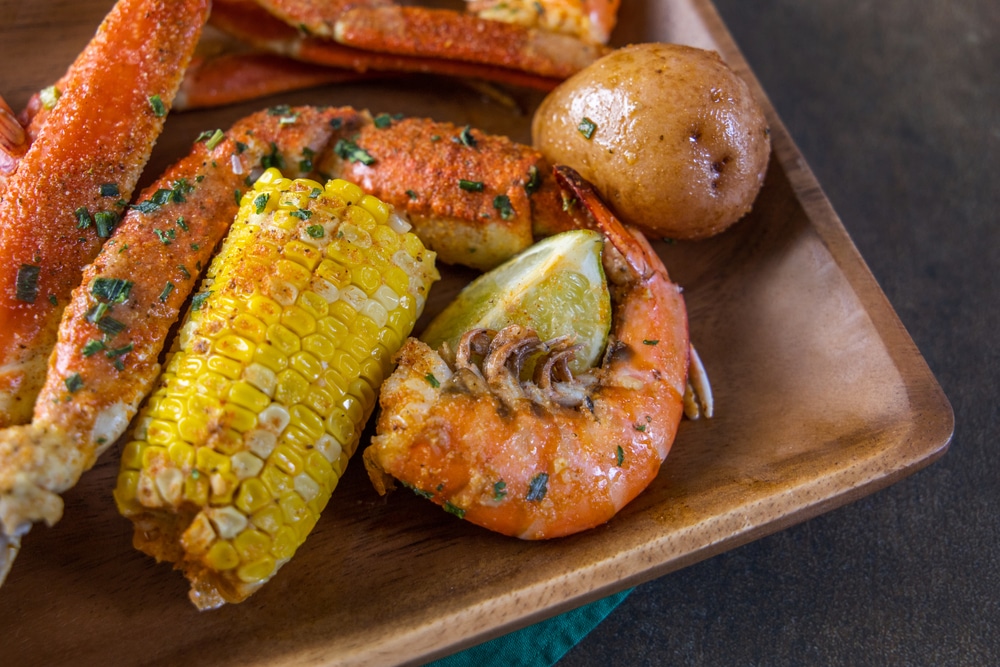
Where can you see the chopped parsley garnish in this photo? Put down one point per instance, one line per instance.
(587, 128)
(260, 202)
(119, 351)
(382, 121)
(619, 456)
(534, 181)
(96, 312)
(471, 186)
(240, 147)
(53, 300)
(184, 271)
(199, 300)
(156, 104)
(411, 194)
(237, 195)
(641, 428)
(105, 222)
(432, 381)
(315, 192)
(110, 190)
(26, 283)
(306, 163)
(655, 341)
(167, 289)
(74, 383)
(92, 346)
(465, 137)
(503, 205)
(316, 231)
(111, 290)
(499, 490)
(83, 219)
(537, 487)
(423, 494)
(348, 150)
(301, 214)
(166, 237)
(273, 159)
(454, 509)
(182, 224)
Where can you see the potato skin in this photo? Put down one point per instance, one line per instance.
(679, 145)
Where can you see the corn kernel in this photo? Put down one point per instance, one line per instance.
(235, 347)
(308, 366)
(320, 346)
(199, 535)
(196, 488)
(291, 388)
(256, 571)
(274, 418)
(321, 400)
(227, 441)
(338, 275)
(332, 328)
(209, 461)
(299, 321)
(225, 367)
(132, 454)
(239, 418)
(343, 311)
(252, 495)
(126, 491)
(286, 541)
(268, 518)
(222, 486)
(284, 339)
(377, 208)
(193, 428)
(252, 328)
(271, 356)
(265, 309)
(182, 454)
(304, 255)
(222, 556)
(261, 442)
(276, 481)
(329, 448)
(168, 407)
(345, 190)
(246, 465)
(252, 393)
(307, 420)
(340, 426)
(252, 545)
(212, 385)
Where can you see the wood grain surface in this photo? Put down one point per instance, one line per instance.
(821, 397)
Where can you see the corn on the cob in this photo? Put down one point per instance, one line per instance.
(278, 366)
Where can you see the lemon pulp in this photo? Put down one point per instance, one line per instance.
(556, 287)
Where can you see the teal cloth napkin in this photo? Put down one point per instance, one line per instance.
(538, 645)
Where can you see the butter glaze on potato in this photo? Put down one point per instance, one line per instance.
(677, 146)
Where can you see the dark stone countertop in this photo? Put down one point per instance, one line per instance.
(896, 107)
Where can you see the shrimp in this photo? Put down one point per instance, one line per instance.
(558, 454)
(60, 198)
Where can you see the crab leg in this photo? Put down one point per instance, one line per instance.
(71, 185)
(114, 329)
(249, 22)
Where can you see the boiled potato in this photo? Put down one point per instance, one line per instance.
(668, 134)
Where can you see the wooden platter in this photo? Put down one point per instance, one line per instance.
(821, 396)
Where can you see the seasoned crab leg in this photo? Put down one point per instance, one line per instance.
(250, 23)
(70, 186)
(114, 328)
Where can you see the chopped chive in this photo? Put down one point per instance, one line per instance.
(240, 147)
(619, 456)
(156, 104)
(92, 346)
(74, 383)
(471, 186)
(587, 128)
(641, 428)
(502, 204)
(301, 214)
(655, 341)
(423, 494)
(111, 326)
(315, 192)
(167, 289)
(465, 137)
(336, 123)
(260, 202)
(316, 231)
(182, 223)
(454, 509)
(105, 222)
(110, 190)
(215, 140)
(432, 381)
(382, 121)
(237, 195)
(411, 194)
(279, 110)
(273, 159)
(112, 290)
(499, 490)
(199, 300)
(96, 312)
(26, 283)
(119, 351)
(53, 300)
(348, 150)
(117, 363)
(83, 219)
(184, 271)
(537, 487)
(195, 246)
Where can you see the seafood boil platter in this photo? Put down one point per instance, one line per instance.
(820, 396)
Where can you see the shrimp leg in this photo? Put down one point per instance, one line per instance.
(70, 186)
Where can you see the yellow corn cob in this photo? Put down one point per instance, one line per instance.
(277, 371)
